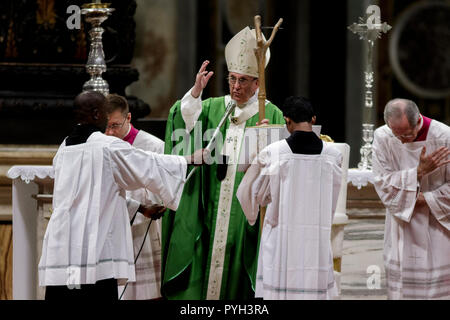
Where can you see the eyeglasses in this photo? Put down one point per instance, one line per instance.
(243, 82)
(407, 136)
(116, 126)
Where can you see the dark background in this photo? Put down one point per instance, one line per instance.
(42, 62)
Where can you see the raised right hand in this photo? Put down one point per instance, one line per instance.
(201, 79)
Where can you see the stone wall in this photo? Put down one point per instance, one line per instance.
(155, 55)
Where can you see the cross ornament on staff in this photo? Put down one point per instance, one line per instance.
(260, 52)
(369, 30)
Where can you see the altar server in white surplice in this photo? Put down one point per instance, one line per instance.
(298, 179)
(147, 244)
(87, 248)
(412, 178)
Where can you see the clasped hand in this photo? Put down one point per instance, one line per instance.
(432, 161)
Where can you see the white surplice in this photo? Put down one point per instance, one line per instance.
(417, 238)
(88, 237)
(148, 264)
(301, 191)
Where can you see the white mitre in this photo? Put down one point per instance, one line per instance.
(240, 53)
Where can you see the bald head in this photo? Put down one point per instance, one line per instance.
(398, 109)
(403, 118)
(90, 108)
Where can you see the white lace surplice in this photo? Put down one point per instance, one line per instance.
(417, 238)
(300, 191)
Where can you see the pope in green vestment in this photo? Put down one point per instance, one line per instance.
(209, 251)
(189, 233)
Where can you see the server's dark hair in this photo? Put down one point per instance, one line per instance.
(86, 104)
(298, 109)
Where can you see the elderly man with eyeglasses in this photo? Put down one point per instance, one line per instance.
(411, 165)
(209, 249)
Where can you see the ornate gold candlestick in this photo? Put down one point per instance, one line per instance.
(96, 13)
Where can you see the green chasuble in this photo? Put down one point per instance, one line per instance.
(209, 251)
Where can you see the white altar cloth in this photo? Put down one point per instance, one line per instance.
(27, 182)
(360, 178)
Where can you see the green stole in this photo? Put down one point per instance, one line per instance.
(188, 233)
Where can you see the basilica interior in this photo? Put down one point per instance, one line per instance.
(153, 49)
